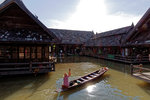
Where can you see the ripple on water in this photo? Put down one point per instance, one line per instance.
(98, 91)
(116, 84)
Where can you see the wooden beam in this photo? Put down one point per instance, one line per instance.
(4, 64)
(14, 19)
(18, 25)
(11, 17)
(21, 68)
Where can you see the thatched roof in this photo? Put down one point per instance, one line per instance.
(72, 36)
(8, 3)
(109, 38)
(140, 33)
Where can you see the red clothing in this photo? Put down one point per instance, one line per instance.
(66, 81)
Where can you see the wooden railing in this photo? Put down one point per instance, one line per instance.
(26, 67)
(132, 59)
(138, 69)
(128, 59)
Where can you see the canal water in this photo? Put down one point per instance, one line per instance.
(116, 84)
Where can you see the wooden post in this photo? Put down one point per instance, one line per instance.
(52, 66)
(30, 69)
(131, 69)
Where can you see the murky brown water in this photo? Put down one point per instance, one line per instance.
(116, 84)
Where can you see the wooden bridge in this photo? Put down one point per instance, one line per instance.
(141, 73)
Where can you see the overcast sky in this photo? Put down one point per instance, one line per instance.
(97, 15)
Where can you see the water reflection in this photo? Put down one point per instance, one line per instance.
(99, 91)
(116, 84)
(27, 85)
(104, 63)
(90, 88)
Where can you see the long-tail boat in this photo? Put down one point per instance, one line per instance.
(85, 79)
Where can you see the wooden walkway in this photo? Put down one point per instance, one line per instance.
(145, 76)
(121, 59)
(140, 73)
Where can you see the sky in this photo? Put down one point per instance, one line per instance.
(91, 15)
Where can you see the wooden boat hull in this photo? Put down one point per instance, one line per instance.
(85, 79)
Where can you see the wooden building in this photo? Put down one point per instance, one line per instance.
(24, 41)
(71, 41)
(107, 45)
(138, 40)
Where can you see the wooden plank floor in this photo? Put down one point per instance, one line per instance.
(144, 76)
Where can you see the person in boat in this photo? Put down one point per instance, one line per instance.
(66, 79)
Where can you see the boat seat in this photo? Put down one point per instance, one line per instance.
(93, 75)
(99, 71)
(96, 74)
(88, 77)
(78, 80)
(82, 79)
